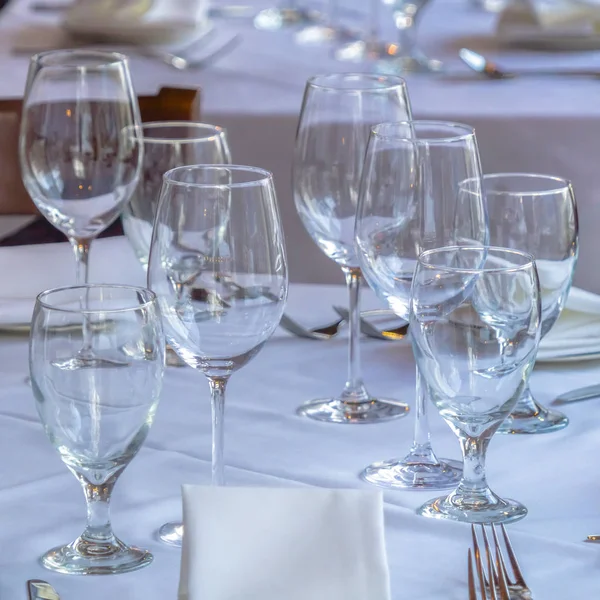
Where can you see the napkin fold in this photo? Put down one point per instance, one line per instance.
(554, 16)
(274, 543)
(29, 270)
(577, 330)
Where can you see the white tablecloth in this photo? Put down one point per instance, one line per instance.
(548, 125)
(555, 475)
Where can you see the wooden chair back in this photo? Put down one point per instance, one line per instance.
(170, 104)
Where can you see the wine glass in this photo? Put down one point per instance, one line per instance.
(78, 166)
(536, 214)
(337, 112)
(218, 267)
(166, 145)
(410, 202)
(97, 417)
(475, 328)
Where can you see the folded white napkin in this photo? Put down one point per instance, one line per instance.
(282, 543)
(577, 330)
(548, 16)
(144, 22)
(29, 270)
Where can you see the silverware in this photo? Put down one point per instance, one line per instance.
(396, 333)
(491, 70)
(584, 393)
(511, 577)
(41, 590)
(491, 582)
(593, 538)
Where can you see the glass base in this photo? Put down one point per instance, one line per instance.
(274, 19)
(83, 557)
(317, 34)
(408, 474)
(455, 508)
(340, 410)
(415, 63)
(171, 534)
(532, 417)
(361, 51)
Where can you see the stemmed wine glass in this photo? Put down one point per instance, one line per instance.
(218, 267)
(332, 136)
(78, 165)
(536, 214)
(475, 328)
(410, 202)
(97, 417)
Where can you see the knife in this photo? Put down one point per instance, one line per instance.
(41, 590)
(584, 393)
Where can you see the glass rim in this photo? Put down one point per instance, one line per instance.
(467, 131)
(40, 299)
(561, 182)
(263, 176)
(530, 260)
(393, 81)
(216, 132)
(110, 58)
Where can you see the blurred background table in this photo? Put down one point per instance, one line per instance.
(549, 125)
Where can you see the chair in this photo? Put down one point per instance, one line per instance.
(170, 104)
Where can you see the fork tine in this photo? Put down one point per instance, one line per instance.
(501, 568)
(472, 590)
(478, 565)
(493, 578)
(514, 564)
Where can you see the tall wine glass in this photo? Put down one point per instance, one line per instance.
(78, 166)
(97, 418)
(218, 267)
(410, 202)
(536, 214)
(166, 145)
(475, 328)
(337, 113)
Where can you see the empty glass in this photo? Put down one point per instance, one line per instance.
(78, 166)
(166, 145)
(536, 214)
(219, 269)
(410, 202)
(97, 417)
(337, 113)
(475, 328)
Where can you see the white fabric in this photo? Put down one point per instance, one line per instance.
(267, 444)
(272, 543)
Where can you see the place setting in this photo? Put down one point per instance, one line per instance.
(159, 375)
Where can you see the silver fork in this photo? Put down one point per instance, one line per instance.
(513, 576)
(491, 582)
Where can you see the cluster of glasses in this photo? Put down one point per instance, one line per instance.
(327, 27)
(402, 202)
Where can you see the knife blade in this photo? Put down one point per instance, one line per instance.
(41, 590)
(584, 393)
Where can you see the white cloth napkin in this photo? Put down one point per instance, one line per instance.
(521, 17)
(29, 270)
(143, 22)
(577, 330)
(275, 543)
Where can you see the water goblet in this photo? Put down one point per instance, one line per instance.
(337, 113)
(217, 230)
(538, 215)
(78, 166)
(475, 328)
(97, 417)
(410, 202)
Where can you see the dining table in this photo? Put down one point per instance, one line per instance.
(540, 124)
(268, 444)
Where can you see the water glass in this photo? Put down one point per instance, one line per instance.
(475, 328)
(78, 166)
(97, 415)
(219, 269)
(337, 114)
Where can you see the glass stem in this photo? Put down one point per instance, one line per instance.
(405, 18)
(354, 390)
(421, 448)
(217, 393)
(82, 252)
(373, 33)
(97, 497)
(473, 483)
(332, 16)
